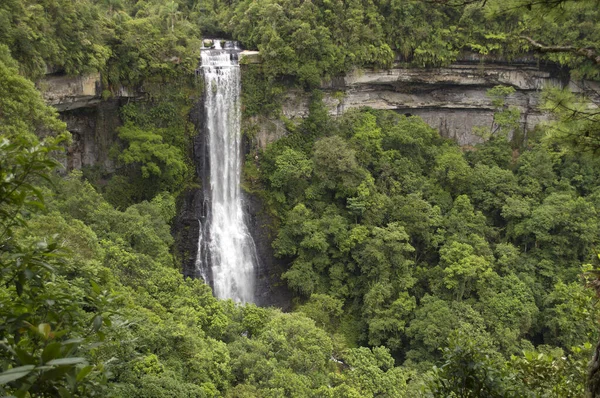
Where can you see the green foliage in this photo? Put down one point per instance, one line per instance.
(152, 44)
(260, 95)
(23, 109)
(336, 166)
(154, 157)
(507, 118)
(549, 373)
(468, 371)
(152, 154)
(131, 43)
(56, 33)
(577, 121)
(46, 335)
(508, 306)
(568, 308)
(461, 266)
(291, 169)
(374, 373)
(417, 241)
(325, 310)
(394, 238)
(310, 40)
(142, 42)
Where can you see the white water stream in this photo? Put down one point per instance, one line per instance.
(231, 248)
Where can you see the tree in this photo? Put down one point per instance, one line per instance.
(468, 372)
(157, 161)
(336, 167)
(373, 373)
(325, 310)
(291, 172)
(461, 267)
(507, 118)
(508, 306)
(171, 9)
(577, 120)
(452, 170)
(45, 333)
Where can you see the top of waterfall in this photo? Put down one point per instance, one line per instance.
(219, 58)
(218, 44)
(219, 54)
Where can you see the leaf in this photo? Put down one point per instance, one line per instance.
(51, 351)
(73, 342)
(67, 361)
(20, 394)
(71, 381)
(44, 368)
(84, 372)
(24, 356)
(55, 373)
(95, 287)
(45, 330)
(19, 287)
(47, 266)
(97, 323)
(15, 373)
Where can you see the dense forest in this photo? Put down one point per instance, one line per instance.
(418, 268)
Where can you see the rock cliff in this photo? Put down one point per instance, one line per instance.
(91, 119)
(451, 99)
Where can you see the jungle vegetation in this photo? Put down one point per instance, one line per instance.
(419, 268)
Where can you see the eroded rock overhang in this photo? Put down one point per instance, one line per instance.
(452, 99)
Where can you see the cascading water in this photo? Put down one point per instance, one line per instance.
(231, 256)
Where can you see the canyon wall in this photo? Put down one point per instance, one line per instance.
(91, 118)
(451, 99)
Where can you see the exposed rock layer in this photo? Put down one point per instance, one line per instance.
(93, 131)
(451, 99)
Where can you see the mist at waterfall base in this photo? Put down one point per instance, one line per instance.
(226, 255)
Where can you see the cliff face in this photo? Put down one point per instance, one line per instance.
(71, 92)
(451, 99)
(93, 130)
(91, 119)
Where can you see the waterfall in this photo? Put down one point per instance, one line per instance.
(224, 235)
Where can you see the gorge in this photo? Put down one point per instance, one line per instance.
(452, 99)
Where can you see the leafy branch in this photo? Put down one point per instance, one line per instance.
(586, 52)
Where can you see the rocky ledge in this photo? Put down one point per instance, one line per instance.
(451, 99)
(66, 93)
